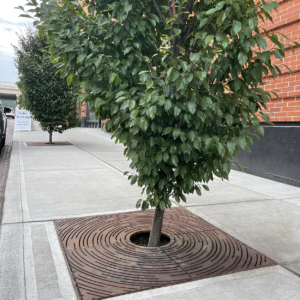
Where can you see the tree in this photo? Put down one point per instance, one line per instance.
(179, 81)
(43, 92)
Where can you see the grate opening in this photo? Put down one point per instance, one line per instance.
(142, 238)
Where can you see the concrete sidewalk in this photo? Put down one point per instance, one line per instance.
(85, 179)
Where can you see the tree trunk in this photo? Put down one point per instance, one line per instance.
(50, 135)
(156, 228)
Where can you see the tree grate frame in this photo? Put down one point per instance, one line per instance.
(47, 144)
(105, 263)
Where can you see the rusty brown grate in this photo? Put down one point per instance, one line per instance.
(47, 144)
(105, 263)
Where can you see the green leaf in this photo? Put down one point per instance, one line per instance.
(184, 65)
(205, 187)
(240, 166)
(236, 26)
(208, 39)
(81, 57)
(231, 146)
(127, 8)
(149, 83)
(176, 133)
(174, 75)
(229, 119)
(127, 50)
(221, 149)
(117, 80)
(191, 105)
(131, 104)
(195, 56)
(201, 74)
(69, 79)
(203, 22)
(177, 110)
(242, 58)
(174, 160)
(225, 41)
(227, 167)
(177, 31)
(167, 130)
(162, 205)
(152, 112)
(261, 43)
(192, 135)
(158, 157)
(138, 203)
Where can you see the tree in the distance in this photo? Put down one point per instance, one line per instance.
(179, 81)
(47, 96)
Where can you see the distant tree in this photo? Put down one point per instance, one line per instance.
(8, 103)
(179, 81)
(47, 96)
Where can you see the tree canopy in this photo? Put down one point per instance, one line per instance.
(179, 81)
(43, 92)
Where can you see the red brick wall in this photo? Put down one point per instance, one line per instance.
(287, 86)
(83, 110)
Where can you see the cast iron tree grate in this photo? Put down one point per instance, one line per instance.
(105, 263)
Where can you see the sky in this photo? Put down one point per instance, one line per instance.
(10, 23)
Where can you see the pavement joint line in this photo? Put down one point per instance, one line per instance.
(97, 158)
(73, 217)
(24, 203)
(234, 202)
(290, 270)
(248, 188)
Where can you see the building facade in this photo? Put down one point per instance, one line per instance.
(277, 156)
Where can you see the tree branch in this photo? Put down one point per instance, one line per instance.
(159, 12)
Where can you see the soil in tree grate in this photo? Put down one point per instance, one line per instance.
(142, 238)
(105, 262)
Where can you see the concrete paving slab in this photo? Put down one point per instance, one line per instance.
(223, 192)
(12, 208)
(271, 227)
(275, 190)
(295, 201)
(74, 192)
(272, 283)
(12, 286)
(46, 158)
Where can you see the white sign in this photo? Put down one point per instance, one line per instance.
(23, 120)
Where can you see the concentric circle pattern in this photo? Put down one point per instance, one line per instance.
(105, 263)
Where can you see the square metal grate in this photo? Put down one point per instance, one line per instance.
(105, 263)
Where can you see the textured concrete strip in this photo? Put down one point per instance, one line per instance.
(271, 227)
(30, 278)
(46, 277)
(63, 276)
(271, 283)
(12, 285)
